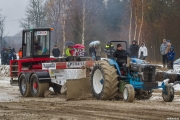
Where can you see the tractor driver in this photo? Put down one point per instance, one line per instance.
(37, 47)
(121, 55)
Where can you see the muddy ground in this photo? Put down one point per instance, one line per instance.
(15, 107)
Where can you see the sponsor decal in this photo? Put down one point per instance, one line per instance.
(41, 32)
(75, 64)
(48, 65)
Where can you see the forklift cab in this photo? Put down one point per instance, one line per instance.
(36, 42)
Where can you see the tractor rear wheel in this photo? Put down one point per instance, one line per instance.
(104, 81)
(128, 93)
(57, 88)
(24, 86)
(168, 94)
(37, 88)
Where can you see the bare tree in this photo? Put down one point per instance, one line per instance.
(142, 19)
(57, 13)
(83, 20)
(35, 14)
(130, 23)
(2, 19)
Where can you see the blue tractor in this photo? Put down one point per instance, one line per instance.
(135, 80)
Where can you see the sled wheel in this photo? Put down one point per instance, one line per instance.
(24, 86)
(37, 88)
(57, 88)
(168, 94)
(104, 81)
(64, 89)
(128, 93)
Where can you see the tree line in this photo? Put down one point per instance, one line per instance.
(82, 21)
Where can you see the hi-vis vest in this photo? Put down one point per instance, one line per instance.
(108, 46)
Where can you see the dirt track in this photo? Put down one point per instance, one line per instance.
(13, 106)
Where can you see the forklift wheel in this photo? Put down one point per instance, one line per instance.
(57, 88)
(37, 88)
(24, 86)
(128, 93)
(168, 94)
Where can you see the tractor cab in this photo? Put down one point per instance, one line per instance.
(36, 42)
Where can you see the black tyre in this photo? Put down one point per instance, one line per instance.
(37, 88)
(128, 93)
(57, 88)
(24, 86)
(168, 94)
(104, 81)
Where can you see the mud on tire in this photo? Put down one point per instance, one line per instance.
(168, 94)
(128, 93)
(37, 88)
(104, 81)
(24, 86)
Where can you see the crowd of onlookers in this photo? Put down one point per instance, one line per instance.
(7, 54)
(168, 54)
(135, 51)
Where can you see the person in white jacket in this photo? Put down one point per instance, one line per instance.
(142, 54)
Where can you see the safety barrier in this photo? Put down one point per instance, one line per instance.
(5, 70)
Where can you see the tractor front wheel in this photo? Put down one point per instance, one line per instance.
(128, 93)
(168, 93)
(37, 88)
(24, 86)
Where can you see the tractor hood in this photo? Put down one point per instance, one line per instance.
(138, 61)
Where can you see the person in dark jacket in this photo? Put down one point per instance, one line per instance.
(5, 56)
(14, 54)
(134, 49)
(121, 55)
(56, 51)
(170, 57)
(10, 54)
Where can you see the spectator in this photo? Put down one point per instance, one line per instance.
(68, 51)
(20, 53)
(98, 52)
(90, 51)
(142, 54)
(5, 57)
(56, 51)
(9, 55)
(2, 58)
(14, 54)
(170, 57)
(134, 48)
(93, 53)
(108, 48)
(168, 47)
(163, 52)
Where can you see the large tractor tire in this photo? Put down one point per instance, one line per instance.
(37, 88)
(128, 93)
(104, 81)
(24, 86)
(57, 88)
(168, 94)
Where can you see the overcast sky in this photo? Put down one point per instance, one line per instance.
(14, 10)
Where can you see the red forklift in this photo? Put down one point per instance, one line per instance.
(36, 71)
